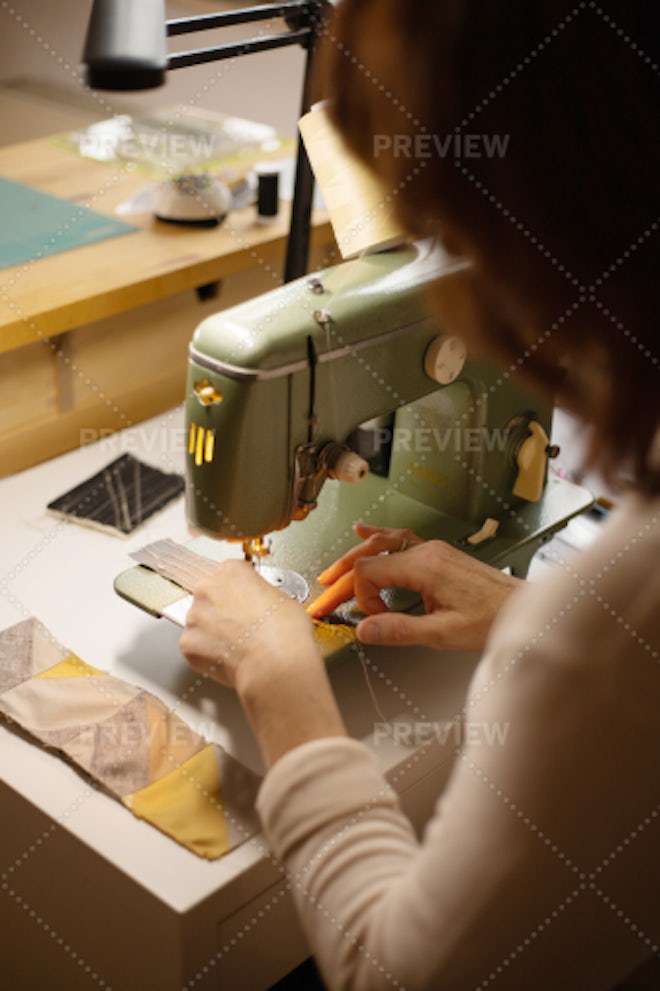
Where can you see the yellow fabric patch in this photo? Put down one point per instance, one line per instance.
(331, 637)
(71, 667)
(187, 805)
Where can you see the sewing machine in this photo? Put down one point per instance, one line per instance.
(336, 397)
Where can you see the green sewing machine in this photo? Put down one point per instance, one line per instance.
(336, 398)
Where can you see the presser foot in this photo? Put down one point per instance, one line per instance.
(292, 583)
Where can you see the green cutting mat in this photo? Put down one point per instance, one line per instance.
(34, 224)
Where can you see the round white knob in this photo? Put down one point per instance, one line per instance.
(444, 358)
(350, 467)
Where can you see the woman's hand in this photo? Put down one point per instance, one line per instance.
(238, 622)
(340, 576)
(461, 596)
(248, 635)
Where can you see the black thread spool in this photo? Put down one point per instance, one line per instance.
(268, 193)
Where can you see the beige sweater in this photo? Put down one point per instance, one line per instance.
(541, 866)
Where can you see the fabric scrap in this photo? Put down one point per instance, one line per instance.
(128, 742)
(187, 805)
(119, 497)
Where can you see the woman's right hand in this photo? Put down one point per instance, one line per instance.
(462, 596)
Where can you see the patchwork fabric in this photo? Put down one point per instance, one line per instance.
(26, 649)
(128, 742)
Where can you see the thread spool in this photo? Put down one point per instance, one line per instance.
(362, 218)
(268, 193)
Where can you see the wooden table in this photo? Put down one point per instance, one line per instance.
(93, 339)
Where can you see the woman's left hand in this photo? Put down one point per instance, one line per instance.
(340, 576)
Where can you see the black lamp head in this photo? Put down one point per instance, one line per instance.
(125, 48)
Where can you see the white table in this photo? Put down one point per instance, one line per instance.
(90, 886)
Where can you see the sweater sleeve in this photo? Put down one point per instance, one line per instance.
(539, 868)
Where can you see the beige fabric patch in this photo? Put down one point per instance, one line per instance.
(115, 752)
(59, 703)
(26, 649)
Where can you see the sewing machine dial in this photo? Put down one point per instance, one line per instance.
(444, 358)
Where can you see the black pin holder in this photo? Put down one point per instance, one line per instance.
(125, 49)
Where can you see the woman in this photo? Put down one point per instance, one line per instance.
(540, 868)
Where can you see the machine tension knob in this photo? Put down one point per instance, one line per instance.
(349, 467)
(342, 463)
(444, 358)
